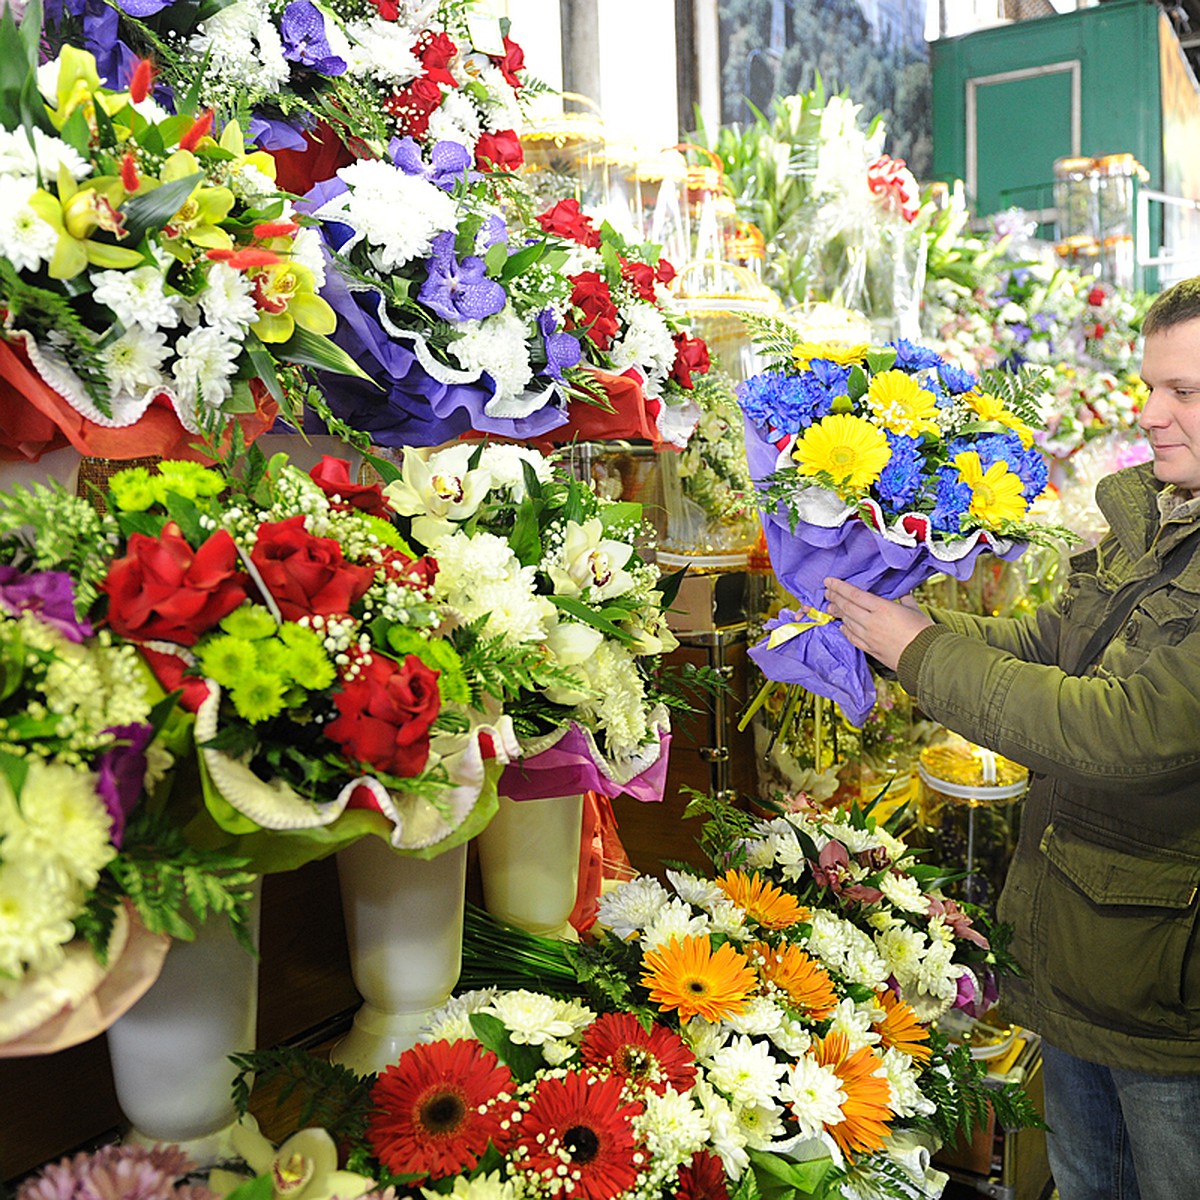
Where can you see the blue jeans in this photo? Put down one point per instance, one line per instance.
(1120, 1135)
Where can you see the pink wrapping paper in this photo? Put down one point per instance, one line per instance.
(568, 768)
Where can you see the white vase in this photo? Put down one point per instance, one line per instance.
(529, 863)
(404, 922)
(170, 1051)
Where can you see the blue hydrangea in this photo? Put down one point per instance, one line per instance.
(953, 498)
(956, 380)
(785, 404)
(900, 480)
(910, 357)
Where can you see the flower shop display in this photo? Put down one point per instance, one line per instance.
(153, 283)
(882, 467)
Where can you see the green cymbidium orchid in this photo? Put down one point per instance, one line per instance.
(286, 296)
(198, 220)
(78, 212)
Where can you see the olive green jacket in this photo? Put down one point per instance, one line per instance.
(1102, 889)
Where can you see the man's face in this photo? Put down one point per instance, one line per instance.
(1171, 416)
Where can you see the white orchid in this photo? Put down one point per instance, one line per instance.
(303, 1168)
(439, 492)
(591, 564)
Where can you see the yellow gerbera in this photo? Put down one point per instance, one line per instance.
(690, 977)
(866, 1110)
(842, 353)
(996, 494)
(848, 448)
(990, 408)
(762, 901)
(805, 984)
(901, 405)
(899, 1027)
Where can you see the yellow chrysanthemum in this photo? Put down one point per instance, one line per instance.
(900, 1028)
(901, 405)
(762, 901)
(990, 408)
(996, 494)
(690, 977)
(843, 354)
(866, 1110)
(848, 448)
(803, 982)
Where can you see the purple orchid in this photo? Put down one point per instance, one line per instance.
(448, 162)
(273, 134)
(491, 233)
(562, 350)
(121, 773)
(459, 290)
(302, 29)
(50, 594)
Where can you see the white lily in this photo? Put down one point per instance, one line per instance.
(591, 563)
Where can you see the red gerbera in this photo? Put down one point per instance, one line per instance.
(702, 1179)
(438, 1107)
(656, 1058)
(584, 1122)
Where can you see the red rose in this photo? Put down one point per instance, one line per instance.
(389, 10)
(163, 590)
(640, 277)
(384, 714)
(417, 573)
(691, 358)
(664, 273)
(592, 297)
(1096, 296)
(306, 575)
(435, 50)
(169, 671)
(332, 476)
(501, 150)
(412, 106)
(512, 62)
(566, 220)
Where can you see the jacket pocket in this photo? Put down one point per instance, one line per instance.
(1119, 933)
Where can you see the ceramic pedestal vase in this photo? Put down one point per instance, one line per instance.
(404, 922)
(529, 862)
(170, 1051)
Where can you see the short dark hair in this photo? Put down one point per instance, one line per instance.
(1177, 304)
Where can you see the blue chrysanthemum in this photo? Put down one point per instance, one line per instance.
(785, 404)
(831, 375)
(1034, 473)
(952, 500)
(992, 448)
(911, 357)
(900, 480)
(956, 380)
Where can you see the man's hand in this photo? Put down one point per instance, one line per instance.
(880, 628)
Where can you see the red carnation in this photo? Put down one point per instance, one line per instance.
(306, 575)
(640, 277)
(384, 714)
(567, 220)
(332, 476)
(501, 151)
(592, 297)
(691, 358)
(435, 50)
(412, 106)
(512, 62)
(162, 590)
(1096, 296)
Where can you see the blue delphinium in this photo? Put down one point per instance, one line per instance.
(900, 480)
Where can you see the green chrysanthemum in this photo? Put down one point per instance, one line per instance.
(133, 490)
(231, 661)
(438, 655)
(385, 531)
(309, 666)
(276, 659)
(250, 621)
(260, 698)
(188, 479)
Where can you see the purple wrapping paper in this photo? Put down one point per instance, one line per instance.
(821, 659)
(567, 769)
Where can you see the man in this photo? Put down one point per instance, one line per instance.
(1098, 693)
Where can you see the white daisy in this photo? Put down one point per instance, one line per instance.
(227, 301)
(675, 920)
(533, 1019)
(207, 359)
(672, 1126)
(42, 158)
(629, 907)
(451, 1022)
(745, 1071)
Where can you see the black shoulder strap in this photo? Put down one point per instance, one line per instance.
(1128, 598)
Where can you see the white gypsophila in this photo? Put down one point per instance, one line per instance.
(906, 1098)
(760, 1124)
(243, 47)
(645, 343)
(674, 920)
(745, 1071)
(855, 1022)
(695, 889)
(619, 709)
(397, 215)
(306, 250)
(455, 120)
(792, 1037)
(482, 1187)
(760, 1017)
(26, 240)
(137, 297)
(671, 1126)
(505, 464)
(41, 159)
(725, 1136)
(532, 1018)
(133, 363)
(846, 950)
(903, 892)
(226, 300)
(382, 50)
(207, 359)
(495, 346)
(451, 1022)
(630, 906)
(814, 1094)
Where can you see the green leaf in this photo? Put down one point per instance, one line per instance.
(881, 360)
(186, 515)
(581, 612)
(262, 1188)
(388, 471)
(780, 1179)
(526, 536)
(521, 261)
(308, 349)
(496, 257)
(856, 386)
(669, 586)
(75, 131)
(153, 209)
(524, 1061)
(14, 769)
(15, 67)
(621, 512)
(264, 365)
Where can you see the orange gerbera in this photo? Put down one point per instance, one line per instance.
(866, 1112)
(804, 982)
(690, 977)
(899, 1027)
(762, 901)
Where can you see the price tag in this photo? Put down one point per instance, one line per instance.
(483, 26)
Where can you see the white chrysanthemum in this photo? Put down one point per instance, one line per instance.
(397, 215)
(455, 120)
(619, 708)
(814, 1094)
(482, 1187)
(227, 301)
(792, 1037)
(629, 907)
(759, 1017)
(645, 344)
(556, 1051)
(25, 239)
(696, 889)
(42, 159)
(760, 854)
(451, 1022)
(513, 611)
(671, 1126)
(306, 250)
(136, 297)
(579, 259)
(497, 347)
(704, 1037)
(532, 1018)
(482, 577)
(904, 892)
(207, 359)
(846, 950)
(855, 1022)
(725, 1136)
(760, 1124)
(790, 855)
(745, 1071)
(133, 363)
(503, 108)
(675, 920)
(855, 840)
(36, 912)
(906, 1098)
(505, 464)
(902, 948)
(243, 47)
(382, 50)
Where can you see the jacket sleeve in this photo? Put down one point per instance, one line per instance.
(1105, 733)
(1032, 638)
